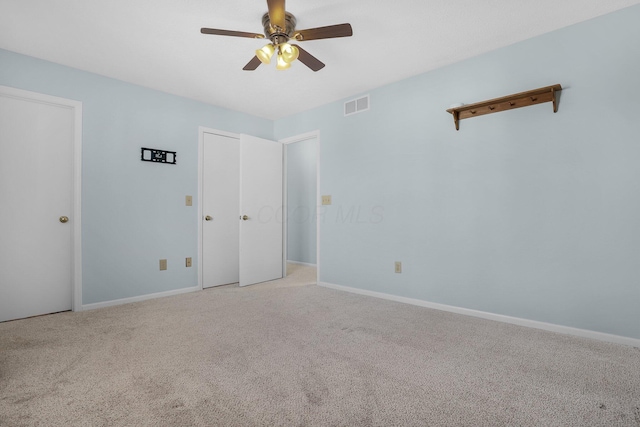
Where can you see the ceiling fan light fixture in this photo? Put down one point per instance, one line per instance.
(281, 64)
(289, 53)
(265, 53)
(280, 27)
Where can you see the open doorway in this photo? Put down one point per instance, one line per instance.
(301, 204)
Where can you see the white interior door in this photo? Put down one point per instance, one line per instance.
(220, 203)
(36, 209)
(261, 210)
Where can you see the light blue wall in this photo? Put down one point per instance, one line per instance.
(301, 201)
(523, 213)
(133, 212)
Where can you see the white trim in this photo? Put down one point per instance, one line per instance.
(76, 231)
(285, 208)
(77, 209)
(318, 203)
(139, 298)
(299, 138)
(201, 131)
(308, 264)
(584, 333)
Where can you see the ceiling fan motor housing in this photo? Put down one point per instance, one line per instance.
(275, 34)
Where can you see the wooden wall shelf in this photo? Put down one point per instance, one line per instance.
(517, 100)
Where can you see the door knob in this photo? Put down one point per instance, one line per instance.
(244, 217)
(208, 218)
(64, 219)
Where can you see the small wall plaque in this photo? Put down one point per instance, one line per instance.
(158, 156)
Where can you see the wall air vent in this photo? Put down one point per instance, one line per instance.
(356, 105)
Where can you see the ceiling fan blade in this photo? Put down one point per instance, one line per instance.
(329, 32)
(277, 13)
(309, 60)
(253, 64)
(217, 32)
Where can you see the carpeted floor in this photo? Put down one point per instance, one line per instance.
(290, 355)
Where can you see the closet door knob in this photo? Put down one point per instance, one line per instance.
(208, 218)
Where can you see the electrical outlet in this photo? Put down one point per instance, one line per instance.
(398, 267)
(188, 201)
(326, 200)
(188, 262)
(163, 264)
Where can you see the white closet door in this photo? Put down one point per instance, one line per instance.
(221, 200)
(261, 210)
(36, 193)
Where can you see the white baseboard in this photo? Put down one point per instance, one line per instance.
(301, 263)
(138, 298)
(617, 339)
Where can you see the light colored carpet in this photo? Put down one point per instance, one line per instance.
(305, 356)
(297, 275)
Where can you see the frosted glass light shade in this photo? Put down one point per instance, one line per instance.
(281, 64)
(289, 53)
(265, 53)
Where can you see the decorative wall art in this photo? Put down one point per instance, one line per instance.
(158, 156)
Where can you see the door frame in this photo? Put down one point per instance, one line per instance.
(286, 141)
(76, 190)
(201, 131)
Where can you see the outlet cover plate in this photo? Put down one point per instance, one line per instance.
(326, 200)
(398, 267)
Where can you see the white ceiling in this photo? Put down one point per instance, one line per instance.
(157, 43)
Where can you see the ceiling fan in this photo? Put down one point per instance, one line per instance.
(280, 27)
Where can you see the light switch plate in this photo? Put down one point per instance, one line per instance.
(326, 200)
(188, 262)
(163, 264)
(398, 267)
(188, 201)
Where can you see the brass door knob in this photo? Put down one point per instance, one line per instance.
(244, 217)
(208, 218)
(64, 219)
